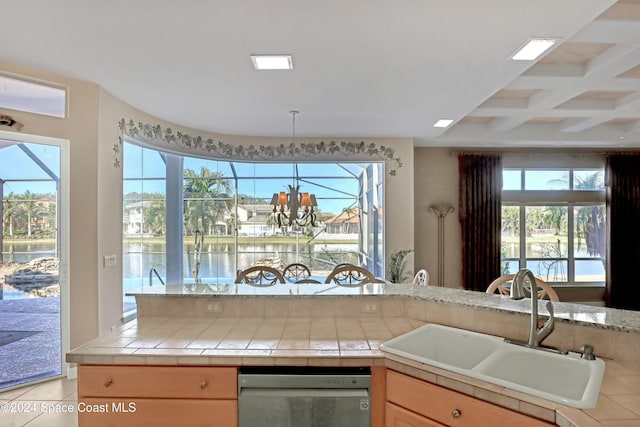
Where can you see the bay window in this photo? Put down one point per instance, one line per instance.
(198, 219)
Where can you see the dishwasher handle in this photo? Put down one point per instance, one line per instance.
(303, 392)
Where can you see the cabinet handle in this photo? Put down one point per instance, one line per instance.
(456, 413)
(203, 385)
(108, 382)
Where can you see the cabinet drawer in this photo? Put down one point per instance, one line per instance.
(156, 413)
(450, 407)
(158, 381)
(400, 417)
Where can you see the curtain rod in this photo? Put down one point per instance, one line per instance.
(529, 152)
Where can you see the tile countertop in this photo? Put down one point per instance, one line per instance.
(601, 317)
(333, 342)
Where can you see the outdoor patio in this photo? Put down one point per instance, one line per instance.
(29, 339)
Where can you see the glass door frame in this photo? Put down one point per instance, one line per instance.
(64, 235)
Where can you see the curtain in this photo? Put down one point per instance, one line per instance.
(623, 218)
(480, 217)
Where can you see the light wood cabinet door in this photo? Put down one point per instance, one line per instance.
(198, 382)
(157, 413)
(400, 417)
(140, 396)
(449, 407)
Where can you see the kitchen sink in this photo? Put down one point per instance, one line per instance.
(563, 378)
(558, 377)
(443, 346)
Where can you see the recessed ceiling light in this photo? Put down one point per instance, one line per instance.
(272, 62)
(533, 49)
(442, 123)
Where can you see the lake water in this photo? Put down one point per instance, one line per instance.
(217, 260)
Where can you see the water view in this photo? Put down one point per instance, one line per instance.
(219, 260)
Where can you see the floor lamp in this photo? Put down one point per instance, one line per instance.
(441, 211)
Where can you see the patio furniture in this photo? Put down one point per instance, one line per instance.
(308, 281)
(350, 275)
(544, 289)
(296, 270)
(260, 276)
(421, 278)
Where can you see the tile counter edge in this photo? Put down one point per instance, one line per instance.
(579, 314)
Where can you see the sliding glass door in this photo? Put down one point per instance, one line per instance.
(33, 288)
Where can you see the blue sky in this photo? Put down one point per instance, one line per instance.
(324, 178)
(15, 164)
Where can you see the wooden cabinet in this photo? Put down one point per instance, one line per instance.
(400, 417)
(414, 402)
(157, 396)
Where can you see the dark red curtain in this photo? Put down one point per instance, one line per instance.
(623, 218)
(480, 217)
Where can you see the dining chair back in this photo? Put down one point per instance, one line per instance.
(544, 289)
(421, 278)
(296, 270)
(350, 275)
(307, 281)
(260, 276)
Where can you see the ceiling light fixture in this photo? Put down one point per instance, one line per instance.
(533, 49)
(285, 206)
(272, 62)
(442, 123)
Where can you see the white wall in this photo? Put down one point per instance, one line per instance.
(436, 181)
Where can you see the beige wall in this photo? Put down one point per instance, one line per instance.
(436, 181)
(80, 129)
(96, 192)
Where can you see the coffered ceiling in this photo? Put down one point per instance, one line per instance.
(584, 92)
(362, 68)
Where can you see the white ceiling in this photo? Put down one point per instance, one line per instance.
(363, 68)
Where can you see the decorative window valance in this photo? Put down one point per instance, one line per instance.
(157, 136)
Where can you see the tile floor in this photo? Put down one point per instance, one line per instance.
(40, 405)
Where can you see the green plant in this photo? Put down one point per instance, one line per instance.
(396, 264)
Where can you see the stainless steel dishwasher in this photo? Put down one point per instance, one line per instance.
(304, 397)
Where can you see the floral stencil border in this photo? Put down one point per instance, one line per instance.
(146, 132)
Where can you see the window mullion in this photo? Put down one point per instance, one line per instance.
(174, 215)
(570, 242)
(523, 237)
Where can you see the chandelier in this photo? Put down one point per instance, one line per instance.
(294, 208)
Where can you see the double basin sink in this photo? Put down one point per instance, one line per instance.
(563, 378)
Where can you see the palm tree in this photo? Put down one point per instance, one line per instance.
(16, 213)
(11, 210)
(350, 212)
(556, 217)
(30, 207)
(206, 198)
(590, 220)
(272, 221)
(154, 218)
(232, 223)
(592, 182)
(52, 217)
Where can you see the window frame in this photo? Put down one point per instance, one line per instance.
(368, 190)
(571, 199)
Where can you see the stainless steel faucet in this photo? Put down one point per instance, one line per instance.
(536, 335)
